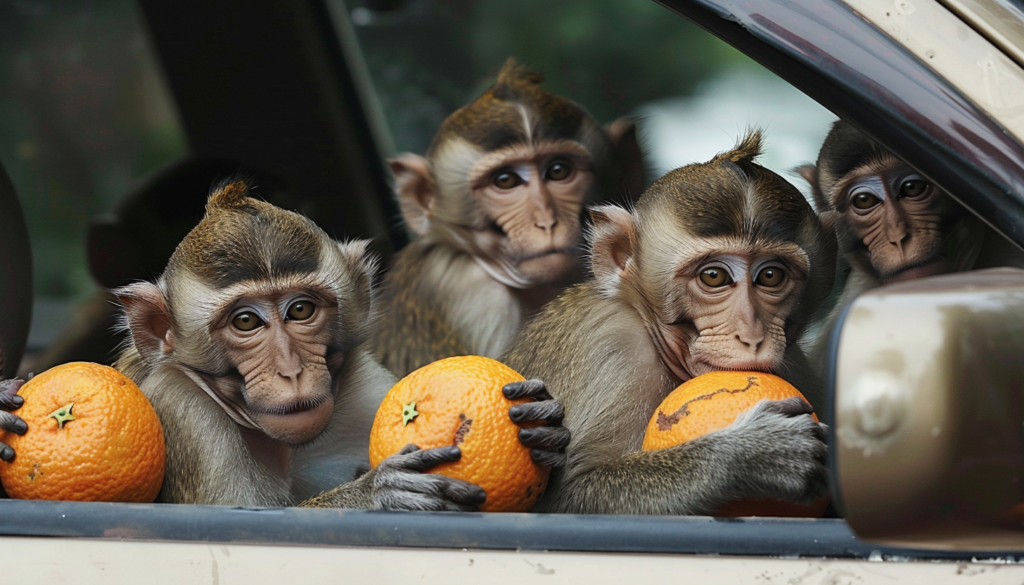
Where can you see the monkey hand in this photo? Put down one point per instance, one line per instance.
(778, 451)
(9, 400)
(399, 483)
(547, 442)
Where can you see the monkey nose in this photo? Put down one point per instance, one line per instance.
(546, 225)
(752, 340)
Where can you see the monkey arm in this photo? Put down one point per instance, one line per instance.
(775, 450)
(9, 400)
(399, 483)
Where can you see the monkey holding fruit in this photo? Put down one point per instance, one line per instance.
(718, 267)
(252, 348)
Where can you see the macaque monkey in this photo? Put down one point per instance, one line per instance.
(718, 267)
(892, 223)
(495, 206)
(251, 348)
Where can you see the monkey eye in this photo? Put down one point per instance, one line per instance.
(770, 277)
(247, 321)
(506, 180)
(559, 171)
(300, 310)
(913, 188)
(715, 277)
(865, 200)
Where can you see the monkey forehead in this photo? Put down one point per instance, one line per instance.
(251, 243)
(725, 199)
(196, 304)
(506, 115)
(844, 149)
(688, 251)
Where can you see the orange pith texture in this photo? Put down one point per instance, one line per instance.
(711, 402)
(459, 401)
(113, 450)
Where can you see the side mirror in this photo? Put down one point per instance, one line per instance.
(928, 407)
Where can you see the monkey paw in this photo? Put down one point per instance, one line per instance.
(9, 400)
(779, 451)
(399, 483)
(548, 442)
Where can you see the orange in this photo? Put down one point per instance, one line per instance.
(92, 436)
(711, 402)
(458, 401)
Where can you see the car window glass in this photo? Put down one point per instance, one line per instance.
(693, 94)
(84, 113)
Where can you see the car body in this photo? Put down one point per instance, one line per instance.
(911, 74)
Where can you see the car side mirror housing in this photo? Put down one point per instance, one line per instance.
(928, 407)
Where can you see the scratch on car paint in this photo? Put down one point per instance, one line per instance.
(214, 567)
(541, 569)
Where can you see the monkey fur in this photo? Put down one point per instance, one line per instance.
(495, 205)
(251, 346)
(612, 348)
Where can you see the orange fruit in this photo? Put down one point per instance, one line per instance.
(92, 436)
(711, 402)
(458, 401)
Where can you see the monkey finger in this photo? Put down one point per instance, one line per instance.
(12, 422)
(792, 406)
(548, 458)
(422, 460)
(546, 438)
(410, 448)
(9, 393)
(546, 410)
(6, 453)
(535, 389)
(463, 493)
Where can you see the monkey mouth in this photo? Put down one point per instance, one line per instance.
(928, 267)
(295, 407)
(550, 252)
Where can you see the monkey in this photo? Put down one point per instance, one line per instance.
(251, 346)
(717, 267)
(891, 222)
(495, 207)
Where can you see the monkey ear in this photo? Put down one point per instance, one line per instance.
(147, 316)
(628, 155)
(415, 188)
(612, 243)
(357, 253)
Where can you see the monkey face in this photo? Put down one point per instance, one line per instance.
(900, 217)
(278, 342)
(729, 308)
(529, 199)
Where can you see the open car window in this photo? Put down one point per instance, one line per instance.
(317, 97)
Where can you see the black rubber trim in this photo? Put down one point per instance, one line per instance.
(298, 526)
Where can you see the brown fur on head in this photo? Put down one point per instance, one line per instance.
(730, 215)
(248, 253)
(522, 237)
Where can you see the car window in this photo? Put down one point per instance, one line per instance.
(84, 114)
(692, 94)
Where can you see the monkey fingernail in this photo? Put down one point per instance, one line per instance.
(516, 413)
(20, 427)
(526, 435)
(7, 454)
